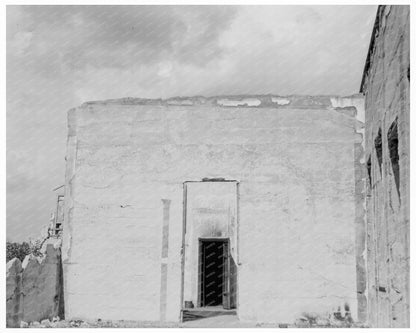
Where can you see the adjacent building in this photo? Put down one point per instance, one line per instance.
(386, 86)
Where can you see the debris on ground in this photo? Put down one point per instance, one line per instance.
(304, 321)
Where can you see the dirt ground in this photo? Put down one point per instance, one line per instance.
(225, 321)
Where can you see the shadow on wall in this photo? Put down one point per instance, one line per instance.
(35, 287)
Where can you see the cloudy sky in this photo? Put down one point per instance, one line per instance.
(61, 56)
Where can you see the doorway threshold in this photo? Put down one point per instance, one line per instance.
(205, 312)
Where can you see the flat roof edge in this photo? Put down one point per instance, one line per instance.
(270, 100)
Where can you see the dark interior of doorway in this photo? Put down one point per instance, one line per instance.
(217, 274)
(212, 262)
(217, 287)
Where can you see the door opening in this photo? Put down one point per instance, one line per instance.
(209, 249)
(216, 274)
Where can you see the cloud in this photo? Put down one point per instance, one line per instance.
(73, 37)
(61, 56)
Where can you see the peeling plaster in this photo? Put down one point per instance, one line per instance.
(242, 101)
(356, 101)
(246, 101)
(280, 101)
(180, 102)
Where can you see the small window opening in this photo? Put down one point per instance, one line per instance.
(369, 170)
(59, 216)
(382, 289)
(393, 142)
(379, 150)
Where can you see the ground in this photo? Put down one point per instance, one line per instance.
(224, 321)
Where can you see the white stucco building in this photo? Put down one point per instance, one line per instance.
(266, 185)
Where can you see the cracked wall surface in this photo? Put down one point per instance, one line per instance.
(295, 160)
(386, 88)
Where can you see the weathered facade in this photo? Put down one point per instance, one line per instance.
(386, 85)
(270, 181)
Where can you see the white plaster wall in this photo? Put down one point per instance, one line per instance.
(295, 165)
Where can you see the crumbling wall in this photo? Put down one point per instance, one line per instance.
(14, 309)
(386, 88)
(294, 158)
(34, 288)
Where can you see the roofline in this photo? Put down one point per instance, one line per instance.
(380, 9)
(243, 101)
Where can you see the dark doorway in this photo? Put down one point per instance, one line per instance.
(216, 274)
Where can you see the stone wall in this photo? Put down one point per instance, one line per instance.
(34, 288)
(386, 88)
(298, 213)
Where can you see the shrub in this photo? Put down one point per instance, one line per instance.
(17, 250)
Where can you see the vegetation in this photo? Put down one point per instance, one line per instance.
(21, 250)
(17, 250)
